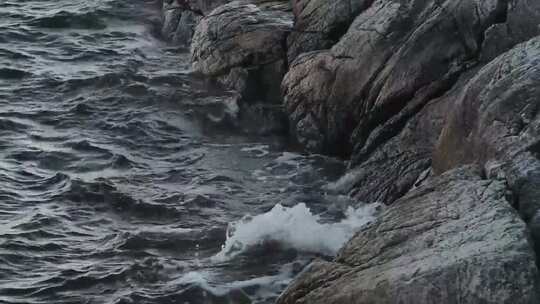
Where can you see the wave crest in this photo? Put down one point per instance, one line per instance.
(64, 19)
(295, 227)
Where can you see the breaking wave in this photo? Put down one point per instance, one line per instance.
(295, 227)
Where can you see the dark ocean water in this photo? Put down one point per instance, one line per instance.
(120, 173)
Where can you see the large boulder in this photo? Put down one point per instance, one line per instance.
(386, 168)
(241, 44)
(380, 95)
(392, 50)
(455, 239)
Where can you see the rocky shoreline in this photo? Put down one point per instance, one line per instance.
(435, 103)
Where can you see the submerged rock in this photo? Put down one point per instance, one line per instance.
(455, 239)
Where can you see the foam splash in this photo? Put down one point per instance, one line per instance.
(295, 227)
(345, 184)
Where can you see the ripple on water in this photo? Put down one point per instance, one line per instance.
(65, 19)
(120, 171)
(9, 73)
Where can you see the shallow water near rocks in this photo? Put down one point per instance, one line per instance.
(123, 180)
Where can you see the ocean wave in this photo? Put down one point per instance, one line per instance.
(112, 152)
(7, 124)
(104, 195)
(9, 73)
(65, 19)
(51, 160)
(31, 186)
(296, 228)
(86, 278)
(14, 54)
(178, 240)
(86, 146)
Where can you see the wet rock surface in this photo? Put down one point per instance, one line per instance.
(454, 239)
(366, 97)
(319, 24)
(241, 44)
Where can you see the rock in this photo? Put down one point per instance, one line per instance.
(319, 24)
(170, 18)
(385, 169)
(381, 94)
(496, 118)
(180, 17)
(393, 50)
(453, 240)
(496, 114)
(241, 44)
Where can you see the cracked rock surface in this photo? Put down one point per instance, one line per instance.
(242, 45)
(454, 239)
(413, 90)
(378, 94)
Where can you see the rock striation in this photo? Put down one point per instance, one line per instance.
(455, 239)
(180, 17)
(380, 94)
(319, 24)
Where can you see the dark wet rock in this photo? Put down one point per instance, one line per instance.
(393, 50)
(241, 44)
(455, 239)
(383, 171)
(319, 24)
(178, 22)
(380, 95)
(180, 17)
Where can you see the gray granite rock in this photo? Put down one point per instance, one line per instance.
(393, 50)
(496, 113)
(496, 120)
(319, 24)
(455, 239)
(241, 44)
(381, 93)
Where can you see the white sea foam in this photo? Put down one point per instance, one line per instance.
(288, 158)
(294, 227)
(344, 184)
